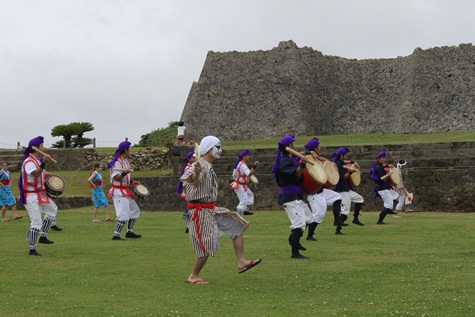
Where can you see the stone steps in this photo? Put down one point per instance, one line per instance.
(14, 158)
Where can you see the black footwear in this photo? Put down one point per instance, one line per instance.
(301, 247)
(56, 228)
(311, 239)
(357, 222)
(45, 240)
(117, 238)
(248, 213)
(381, 223)
(299, 256)
(34, 253)
(339, 232)
(132, 235)
(187, 230)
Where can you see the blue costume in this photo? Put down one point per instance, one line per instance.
(98, 196)
(6, 196)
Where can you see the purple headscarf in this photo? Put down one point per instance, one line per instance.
(340, 151)
(285, 141)
(311, 144)
(240, 156)
(372, 172)
(33, 142)
(179, 187)
(121, 148)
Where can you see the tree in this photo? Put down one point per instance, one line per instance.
(72, 134)
(160, 137)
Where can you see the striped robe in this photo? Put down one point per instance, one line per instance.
(206, 224)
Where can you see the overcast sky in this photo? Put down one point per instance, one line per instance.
(128, 66)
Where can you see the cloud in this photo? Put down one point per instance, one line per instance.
(128, 66)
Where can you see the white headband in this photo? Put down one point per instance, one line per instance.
(401, 165)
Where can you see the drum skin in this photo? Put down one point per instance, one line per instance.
(394, 177)
(54, 186)
(141, 191)
(353, 179)
(332, 172)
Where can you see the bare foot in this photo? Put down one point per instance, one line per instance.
(5, 219)
(96, 220)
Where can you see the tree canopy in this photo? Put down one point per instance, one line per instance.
(161, 137)
(73, 134)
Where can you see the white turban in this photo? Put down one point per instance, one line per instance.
(208, 143)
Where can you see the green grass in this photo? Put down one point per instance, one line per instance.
(420, 265)
(359, 139)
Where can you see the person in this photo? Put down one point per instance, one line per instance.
(348, 195)
(98, 197)
(400, 189)
(181, 131)
(126, 209)
(33, 194)
(206, 220)
(383, 189)
(6, 197)
(288, 175)
(180, 188)
(241, 174)
(322, 198)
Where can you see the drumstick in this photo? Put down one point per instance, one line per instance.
(298, 154)
(122, 170)
(43, 153)
(197, 151)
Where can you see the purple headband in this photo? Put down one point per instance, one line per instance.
(122, 147)
(33, 142)
(340, 151)
(286, 140)
(380, 155)
(311, 144)
(240, 156)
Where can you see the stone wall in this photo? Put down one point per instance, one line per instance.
(441, 176)
(263, 94)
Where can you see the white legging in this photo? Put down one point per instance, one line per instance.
(388, 196)
(400, 202)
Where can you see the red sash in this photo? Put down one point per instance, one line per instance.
(124, 190)
(196, 217)
(6, 182)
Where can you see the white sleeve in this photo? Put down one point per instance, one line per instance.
(245, 170)
(30, 167)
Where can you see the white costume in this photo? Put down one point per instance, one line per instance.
(244, 193)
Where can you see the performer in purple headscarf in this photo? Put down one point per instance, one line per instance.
(190, 158)
(383, 189)
(125, 206)
(348, 195)
(241, 175)
(33, 194)
(288, 175)
(322, 198)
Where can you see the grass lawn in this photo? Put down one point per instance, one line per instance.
(420, 265)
